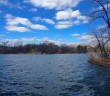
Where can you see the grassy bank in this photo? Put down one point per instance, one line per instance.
(99, 60)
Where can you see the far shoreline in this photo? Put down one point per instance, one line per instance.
(39, 53)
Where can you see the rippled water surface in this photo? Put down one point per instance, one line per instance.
(52, 75)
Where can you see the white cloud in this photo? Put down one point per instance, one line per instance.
(54, 4)
(63, 24)
(88, 38)
(33, 40)
(5, 2)
(84, 19)
(20, 24)
(102, 26)
(38, 27)
(100, 8)
(49, 21)
(28, 39)
(21, 40)
(60, 41)
(75, 35)
(37, 18)
(85, 22)
(69, 15)
(33, 10)
(46, 39)
(84, 37)
(63, 15)
(42, 39)
(76, 22)
(67, 24)
(11, 5)
(17, 28)
(11, 20)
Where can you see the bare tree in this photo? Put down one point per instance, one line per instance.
(102, 35)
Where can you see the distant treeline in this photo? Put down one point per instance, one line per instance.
(42, 48)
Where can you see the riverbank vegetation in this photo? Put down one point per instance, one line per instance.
(102, 33)
(99, 60)
(42, 48)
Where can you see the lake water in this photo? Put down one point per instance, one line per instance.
(52, 75)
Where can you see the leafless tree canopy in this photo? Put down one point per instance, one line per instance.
(102, 34)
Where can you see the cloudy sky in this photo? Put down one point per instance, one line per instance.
(33, 21)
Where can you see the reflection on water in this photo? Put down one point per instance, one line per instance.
(52, 75)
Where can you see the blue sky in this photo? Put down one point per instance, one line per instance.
(34, 21)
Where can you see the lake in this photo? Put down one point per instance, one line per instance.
(52, 75)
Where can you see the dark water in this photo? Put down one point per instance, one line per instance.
(52, 75)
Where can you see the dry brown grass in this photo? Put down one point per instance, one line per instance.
(99, 60)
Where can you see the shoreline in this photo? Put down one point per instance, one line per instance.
(43, 53)
(99, 61)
